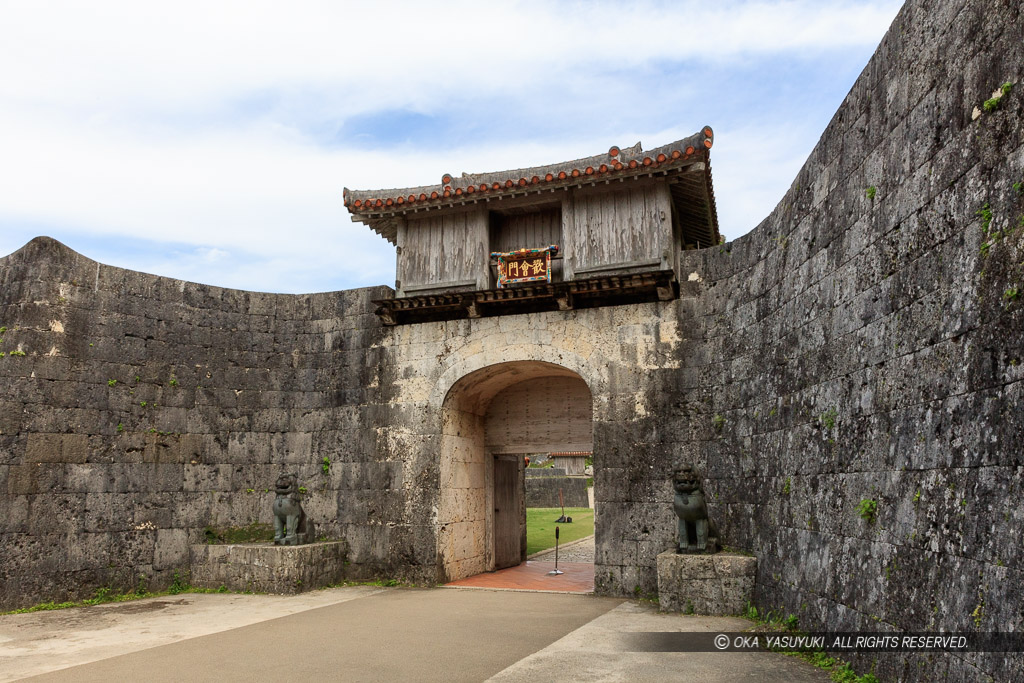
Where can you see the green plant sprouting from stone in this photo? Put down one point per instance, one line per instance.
(867, 509)
(325, 465)
(178, 585)
(104, 595)
(993, 103)
(979, 610)
(990, 236)
(840, 670)
(718, 422)
(828, 418)
(986, 217)
(871, 192)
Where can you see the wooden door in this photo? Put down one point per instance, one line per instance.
(541, 415)
(506, 512)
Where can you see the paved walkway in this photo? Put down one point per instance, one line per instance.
(577, 551)
(372, 634)
(534, 575)
(575, 561)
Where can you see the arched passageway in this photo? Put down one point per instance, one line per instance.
(491, 418)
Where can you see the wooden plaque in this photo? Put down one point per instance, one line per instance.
(524, 265)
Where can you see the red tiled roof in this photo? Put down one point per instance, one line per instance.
(366, 205)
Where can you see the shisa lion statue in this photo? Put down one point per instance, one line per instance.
(696, 533)
(291, 526)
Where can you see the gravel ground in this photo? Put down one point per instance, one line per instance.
(580, 551)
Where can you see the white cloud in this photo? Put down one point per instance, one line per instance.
(190, 123)
(192, 55)
(751, 172)
(211, 255)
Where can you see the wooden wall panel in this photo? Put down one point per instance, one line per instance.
(412, 261)
(444, 249)
(541, 415)
(618, 227)
(526, 230)
(626, 226)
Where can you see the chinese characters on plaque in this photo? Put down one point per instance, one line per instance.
(524, 265)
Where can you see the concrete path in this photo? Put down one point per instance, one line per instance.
(598, 651)
(370, 634)
(38, 642)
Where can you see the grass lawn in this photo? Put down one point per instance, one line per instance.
(540, 527)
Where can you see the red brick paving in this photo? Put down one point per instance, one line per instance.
(532, 575)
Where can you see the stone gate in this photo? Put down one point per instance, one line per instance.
(859, 350)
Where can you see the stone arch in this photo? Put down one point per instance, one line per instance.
(590, 370)
(472, 536)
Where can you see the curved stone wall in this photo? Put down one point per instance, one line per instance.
(848, 376)
(855, 364)
(138, 411)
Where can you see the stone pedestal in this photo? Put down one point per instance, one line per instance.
(268, 568)
(721, 584)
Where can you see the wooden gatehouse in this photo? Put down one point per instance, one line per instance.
(601, 230)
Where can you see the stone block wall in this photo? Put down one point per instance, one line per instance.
(852, 369)
(721, 584)
(465, 485)
(542, 492)
(848, 376)
(146, 409)
(265, 568)
(535, 472)
(618, 351)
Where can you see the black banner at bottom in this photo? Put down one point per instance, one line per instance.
(745, 641)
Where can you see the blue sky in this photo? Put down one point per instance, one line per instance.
(211, 141)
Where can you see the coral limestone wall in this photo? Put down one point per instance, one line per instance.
(136, 412)
(860, 355)
(849, 376)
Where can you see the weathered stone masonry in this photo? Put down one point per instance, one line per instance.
(146, 409)
(862, 345)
